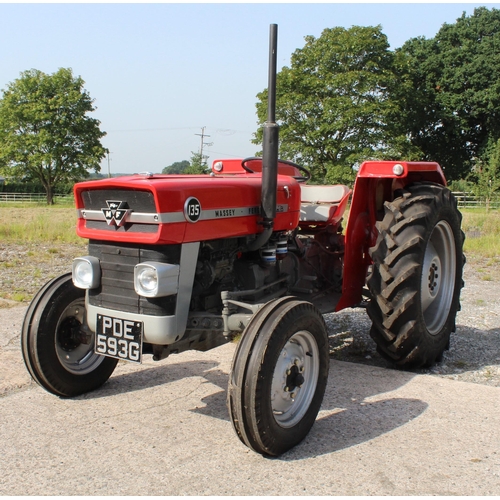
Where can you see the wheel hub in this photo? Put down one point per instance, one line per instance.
(74, 347)
(68, 335)
(434, 276)
(438, 277)
(294, 379)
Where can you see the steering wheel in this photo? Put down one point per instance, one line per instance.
(299, 178)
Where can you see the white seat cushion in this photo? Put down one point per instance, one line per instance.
(323, 194)
(315, 213)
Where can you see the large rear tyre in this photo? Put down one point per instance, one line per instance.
(279, 376)
(417, 276)
(57, 351)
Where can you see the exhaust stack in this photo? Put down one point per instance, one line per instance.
(269, 152)
(270, 141)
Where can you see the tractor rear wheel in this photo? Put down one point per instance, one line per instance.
(416, 276)
(279, 376)
(57, 351)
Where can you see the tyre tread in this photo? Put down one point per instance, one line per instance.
(38, 344)
(251, 368)
(395, 276)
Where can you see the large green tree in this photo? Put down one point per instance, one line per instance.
(45, 132)
(450, 91)
(334, 103)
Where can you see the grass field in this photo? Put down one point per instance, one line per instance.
(482, 242)
(482, 231)
(37, 224)
(37, 243)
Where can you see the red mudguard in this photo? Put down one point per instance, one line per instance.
(375, 183)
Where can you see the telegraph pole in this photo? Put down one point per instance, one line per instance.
(203, 143)
(109, 169)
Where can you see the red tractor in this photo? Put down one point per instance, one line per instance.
(178, 262)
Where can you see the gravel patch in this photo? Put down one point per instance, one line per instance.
(26, 267)
(474, 354)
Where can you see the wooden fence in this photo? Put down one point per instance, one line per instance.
(470, 200)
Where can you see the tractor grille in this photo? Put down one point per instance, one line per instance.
(137, 201)
(117, 278)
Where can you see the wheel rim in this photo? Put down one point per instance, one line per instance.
(295, 378)
(438, 277)
(76, 356)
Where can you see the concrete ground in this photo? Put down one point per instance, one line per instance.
(163, 429)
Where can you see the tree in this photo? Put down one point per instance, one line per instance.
(45, 133)
(486, 173)
(197, 165)
(333, 103)
(453, 112)
(178, 167)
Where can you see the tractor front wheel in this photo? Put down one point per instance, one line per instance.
(57, 349)
(416, 276)
(279, 376)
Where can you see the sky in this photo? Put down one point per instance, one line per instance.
(161, 74)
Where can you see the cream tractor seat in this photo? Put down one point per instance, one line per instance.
(321, 205)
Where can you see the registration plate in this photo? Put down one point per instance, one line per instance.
(119, 338)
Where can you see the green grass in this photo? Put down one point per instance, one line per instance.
(40, 224)
(20, 297)
(482, 230)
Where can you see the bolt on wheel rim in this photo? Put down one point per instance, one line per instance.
(75, 356)
(294, 379)
(438, 277)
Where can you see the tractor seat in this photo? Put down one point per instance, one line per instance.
(322, 205)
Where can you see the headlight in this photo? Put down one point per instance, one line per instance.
(155, 279)
(86, 272)
(147, 280)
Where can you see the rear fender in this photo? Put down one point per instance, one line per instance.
(375, 184)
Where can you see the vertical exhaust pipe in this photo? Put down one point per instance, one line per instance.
(270, 141)
(269, 151)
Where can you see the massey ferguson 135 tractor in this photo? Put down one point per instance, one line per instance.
(178, 262)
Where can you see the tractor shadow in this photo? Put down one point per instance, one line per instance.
(347, 417)
(148, 376)
(160, 374)
(357, 406)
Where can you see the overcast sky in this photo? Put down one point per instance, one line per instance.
(159, 72)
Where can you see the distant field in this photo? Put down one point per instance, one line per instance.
(37, 224)
(37, 243)
(482, 231)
